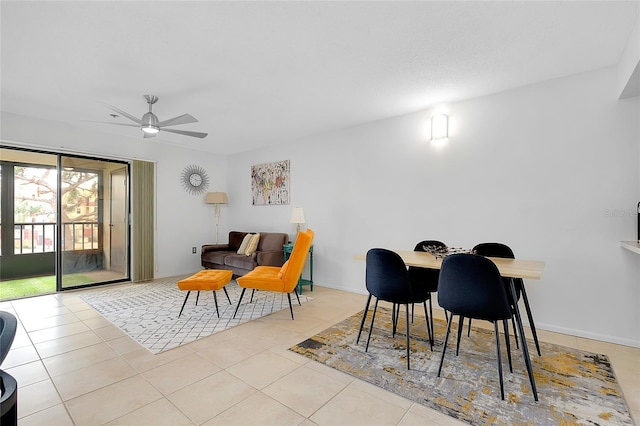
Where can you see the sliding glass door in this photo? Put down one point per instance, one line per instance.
(69, 217)
(29, 216)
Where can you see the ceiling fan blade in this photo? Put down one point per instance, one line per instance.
(186, 133)
(124, 113)
(181, 119)
(114, 124)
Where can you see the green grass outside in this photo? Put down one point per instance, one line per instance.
(13, 289)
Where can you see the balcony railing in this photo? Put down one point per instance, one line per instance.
(41, 237)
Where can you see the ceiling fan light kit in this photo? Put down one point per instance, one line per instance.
(151, 125)
(150, 129)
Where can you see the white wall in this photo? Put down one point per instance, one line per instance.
(182, 220)
(550, 169)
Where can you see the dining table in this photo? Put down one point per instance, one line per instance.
(508, 268)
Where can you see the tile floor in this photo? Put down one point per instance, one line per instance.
(74, 367)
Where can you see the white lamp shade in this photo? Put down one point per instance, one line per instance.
(297, 215)
(216, 198)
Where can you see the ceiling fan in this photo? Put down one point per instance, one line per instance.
(151, 126)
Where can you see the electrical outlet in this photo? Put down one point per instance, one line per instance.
(193, 250)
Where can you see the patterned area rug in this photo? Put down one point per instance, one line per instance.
(148, 312)
(574, 387)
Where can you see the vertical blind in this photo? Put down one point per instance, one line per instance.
(142, 202)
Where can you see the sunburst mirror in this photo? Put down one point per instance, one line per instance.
(194, 179)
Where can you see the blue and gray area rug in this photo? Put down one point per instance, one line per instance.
(574, 387)
(148, 312)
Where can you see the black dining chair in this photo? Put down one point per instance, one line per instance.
(504, 251)
(387, 279)
(470, 286)
(425, 281)
(8, 385)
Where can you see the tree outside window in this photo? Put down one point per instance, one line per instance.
(35, 203)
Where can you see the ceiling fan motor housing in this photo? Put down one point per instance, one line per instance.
(150, 119)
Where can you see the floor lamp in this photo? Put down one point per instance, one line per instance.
(216, 198)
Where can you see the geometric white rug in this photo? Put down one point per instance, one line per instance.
(148, 312)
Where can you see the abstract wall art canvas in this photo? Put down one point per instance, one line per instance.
(270, 183)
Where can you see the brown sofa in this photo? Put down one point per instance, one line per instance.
(224, 256)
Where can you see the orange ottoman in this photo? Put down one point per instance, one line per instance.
(209, 279)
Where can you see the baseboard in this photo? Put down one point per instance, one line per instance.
(342, 288)
(589, 335)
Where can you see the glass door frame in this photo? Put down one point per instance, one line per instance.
(103, 228)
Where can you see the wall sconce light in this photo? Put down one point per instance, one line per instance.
(216, 198)
(439, 128)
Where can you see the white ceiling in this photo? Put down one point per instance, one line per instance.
(260, 73)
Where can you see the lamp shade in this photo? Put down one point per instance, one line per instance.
(216, 198)
(297, 215)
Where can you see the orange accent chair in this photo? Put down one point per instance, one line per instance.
(280, 279)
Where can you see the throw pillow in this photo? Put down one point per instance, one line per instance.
(253, 244)
(245, 242)
(283, 270)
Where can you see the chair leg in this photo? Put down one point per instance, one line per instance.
(426, 317)
(184, 303)
(290, 306)
(297, 297)
(394, 319)
(433, 334)
(495, 328)
(460, 326)
(406, 308)
(252, 293)
(444, 345)
(515, 330)
(215, 300)
(469, 328)
(239, 300)
(412, 307)
(197, 297)
(507, 341)
(373, 318)
(227, 293)
(530, 316)
(364, 316)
